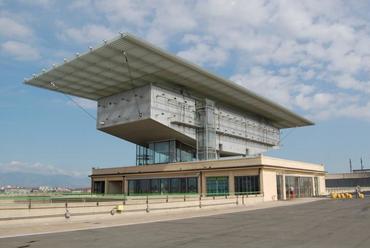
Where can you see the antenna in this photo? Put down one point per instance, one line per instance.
(362, 166)
(350, 165)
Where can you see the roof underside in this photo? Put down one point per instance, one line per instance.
(102, 72)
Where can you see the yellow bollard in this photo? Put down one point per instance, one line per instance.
(334, 195)
(117, 209)
(361, 196)
(350, 196)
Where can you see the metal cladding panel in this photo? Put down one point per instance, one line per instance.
(103, 71)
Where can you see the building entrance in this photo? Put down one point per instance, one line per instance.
(297, 187)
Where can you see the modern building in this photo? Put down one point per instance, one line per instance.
(195, 132)
(347, 182)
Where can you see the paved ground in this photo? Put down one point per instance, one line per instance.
(327, 223)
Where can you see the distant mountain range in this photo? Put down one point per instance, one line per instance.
(35, 180)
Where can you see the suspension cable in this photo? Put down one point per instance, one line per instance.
(132, 84)
(286, 135)
(72, 100)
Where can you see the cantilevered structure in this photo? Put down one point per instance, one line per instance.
(173, 110)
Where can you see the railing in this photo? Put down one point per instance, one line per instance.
(33, 206)
(345, 189)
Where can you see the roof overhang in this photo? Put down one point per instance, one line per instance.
(102, 72)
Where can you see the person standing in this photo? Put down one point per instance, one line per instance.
(358, 191)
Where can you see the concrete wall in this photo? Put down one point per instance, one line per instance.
(322, 186)
(268, 183)
(124, 107)
(236, 132)
(115, 187)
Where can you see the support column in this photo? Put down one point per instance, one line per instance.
(206, 130)
(200, 189)
(106, 186)
(204, 185)
(92, 185)
(231, 183)
(313, 186)
(261, 181)
(284, 188)
(125, 186)
(269, 185)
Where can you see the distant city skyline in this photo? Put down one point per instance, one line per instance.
(309, 56)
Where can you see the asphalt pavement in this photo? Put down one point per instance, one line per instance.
(326, 223)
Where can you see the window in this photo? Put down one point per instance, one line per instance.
(155, 186)
(165, 186)
(247, 185)
(164, 152)
(175, 185)
(192, 185)
(182, 185)
(217, 186)
(99, 187)
(161, 152)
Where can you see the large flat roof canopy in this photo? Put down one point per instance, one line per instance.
(102, 72)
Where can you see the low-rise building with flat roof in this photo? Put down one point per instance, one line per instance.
(347, 182)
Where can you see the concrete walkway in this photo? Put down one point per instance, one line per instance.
(15, 228)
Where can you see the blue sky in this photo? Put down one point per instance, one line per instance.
(310, 56)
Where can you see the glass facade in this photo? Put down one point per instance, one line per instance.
(169, 151)
(348, 182)
(217, 186)
(184, 185)
(298, 187)
(99, 187)
(247, 185)
(316, 180)
(279, 187)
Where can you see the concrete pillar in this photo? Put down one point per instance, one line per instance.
(284, 188)
(322, 186)
(261, 181)
(313, 186)
(204, 184)
(200, 183)
(92, 185)
(231, 183)
(269, 185)
(106, 185)
(125, 186)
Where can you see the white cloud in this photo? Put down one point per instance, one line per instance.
(286, 87)
(156, 21)
(12, 29)
(133, 12)
(20, 50)
(311, 56)
(89, 34)
(202, 51)
(39, 3)
(37, 168)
